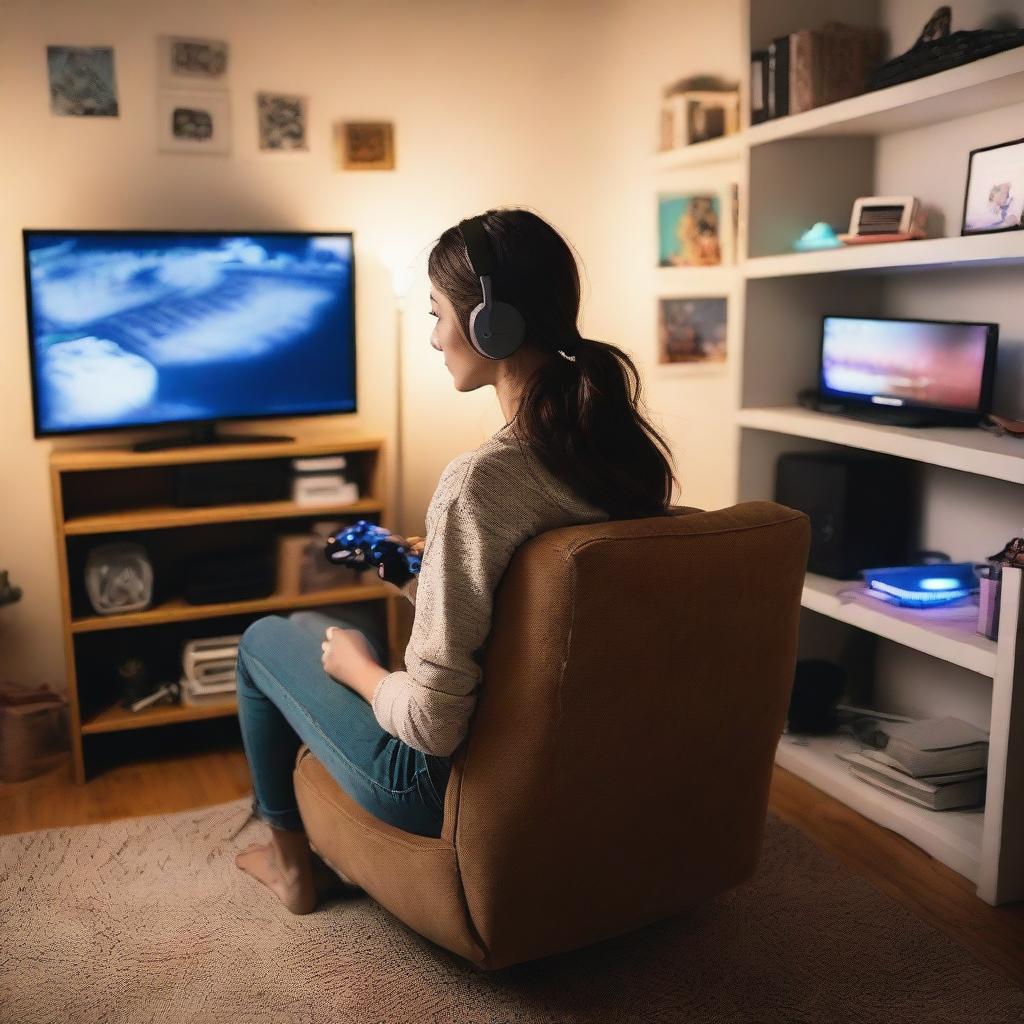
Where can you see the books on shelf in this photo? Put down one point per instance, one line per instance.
(936, 792)
(934, 746)
(938, 763)
(812, 67)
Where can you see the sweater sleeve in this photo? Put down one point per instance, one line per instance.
(469, 544)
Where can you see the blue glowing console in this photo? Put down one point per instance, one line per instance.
(922, 586)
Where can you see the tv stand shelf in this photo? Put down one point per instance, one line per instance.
(118, 490)
(165, 516)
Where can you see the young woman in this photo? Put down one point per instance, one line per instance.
(575, 448)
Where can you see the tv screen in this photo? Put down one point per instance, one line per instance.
(138, 328)
(917, 363)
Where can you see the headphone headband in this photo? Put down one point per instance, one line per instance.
(478, 246)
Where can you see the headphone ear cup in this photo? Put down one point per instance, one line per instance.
(498, 334)
(479, 325)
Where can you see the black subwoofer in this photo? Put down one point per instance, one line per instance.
(862, 508)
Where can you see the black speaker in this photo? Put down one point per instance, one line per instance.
(862, 508)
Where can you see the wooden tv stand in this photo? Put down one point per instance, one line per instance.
(104, 495)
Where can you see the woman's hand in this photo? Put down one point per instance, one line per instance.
(346, 654)
(412, 544)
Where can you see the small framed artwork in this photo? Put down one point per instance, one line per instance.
(692, 331)
(82, 81)
(283, 122)
(193, 122)
(187, 63)
(365, 145)
(695, 227)
(994, 197)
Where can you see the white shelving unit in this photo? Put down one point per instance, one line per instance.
(810, 167)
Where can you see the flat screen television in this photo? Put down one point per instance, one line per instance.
(146, 328)
(913, 372)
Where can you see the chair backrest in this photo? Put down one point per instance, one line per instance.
(635, 686)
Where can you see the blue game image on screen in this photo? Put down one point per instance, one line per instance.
(133, 329)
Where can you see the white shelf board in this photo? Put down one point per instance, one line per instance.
(1005, 248)
(946, 633)
(715, 280)
(969, 449)
(985, 84)
(720, 150)
(952, 837)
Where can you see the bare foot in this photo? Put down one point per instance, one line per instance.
(295, 889)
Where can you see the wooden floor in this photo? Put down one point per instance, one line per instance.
(176, 783)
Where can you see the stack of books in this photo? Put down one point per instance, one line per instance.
(810, 68)
(938, 763)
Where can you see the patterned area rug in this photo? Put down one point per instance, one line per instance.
(148, 919)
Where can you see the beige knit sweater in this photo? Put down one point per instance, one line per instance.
(487, 503)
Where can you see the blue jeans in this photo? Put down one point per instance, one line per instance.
(286, 698)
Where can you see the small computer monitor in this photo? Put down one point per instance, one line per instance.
(936, 370)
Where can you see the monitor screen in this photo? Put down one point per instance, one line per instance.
(140, 328)
(931, 363)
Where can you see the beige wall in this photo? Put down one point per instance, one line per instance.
(558, 115)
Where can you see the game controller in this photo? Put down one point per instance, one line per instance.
(364, 544)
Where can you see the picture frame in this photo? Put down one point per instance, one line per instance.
(282, 122)
(82, 81)
(188, 62)
(691, 117)
(692, 331)
(994, 191)
(695, 224)
(193, 122)
(365, 145)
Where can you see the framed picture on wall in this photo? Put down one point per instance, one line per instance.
(692, 331)
(82, 81)
(365, 145)
(695, 225)
(994, 197)
(193, 122)
(189, 63)
(283, 122)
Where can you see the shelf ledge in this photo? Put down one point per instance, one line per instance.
(952, 837)
(1005, 248)
(969, 449)
(985, 84)
(946, 633)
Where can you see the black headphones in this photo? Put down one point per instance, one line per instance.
(496, 329)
